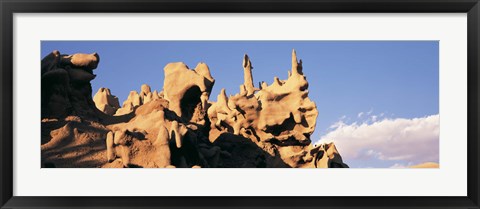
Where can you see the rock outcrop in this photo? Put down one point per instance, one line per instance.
(188, 90)
(279, 118)
(106, 102)
(280, 113)
(260, 127)
(133, 100)
(66, 88)
(136, 99)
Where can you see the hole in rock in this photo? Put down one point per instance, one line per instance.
(282, 129)
(189, 102)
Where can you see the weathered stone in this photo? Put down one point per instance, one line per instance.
(187, 90)
(178, 127)
(110, 147)
(106, 102)
(66, 88)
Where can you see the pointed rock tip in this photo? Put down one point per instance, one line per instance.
(246, 61)
(203, 69)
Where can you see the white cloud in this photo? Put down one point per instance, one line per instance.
(337, 124)
(398, 165)
(370, 112)
(412, 141)
(360, 114)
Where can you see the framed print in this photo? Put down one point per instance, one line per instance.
(344, 104)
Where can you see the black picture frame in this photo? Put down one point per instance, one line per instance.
(9, 7)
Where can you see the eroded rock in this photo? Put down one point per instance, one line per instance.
(279, 118)
(178, 127)
(66, 88)
(136, 99)
(106, 102)
(188, 90)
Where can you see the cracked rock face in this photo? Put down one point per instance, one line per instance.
(268, 126)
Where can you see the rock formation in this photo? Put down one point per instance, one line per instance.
(188, 90)
(133, 100)
(279, 118)
(106, 102)
(247, 73)
(66, 85)
(265, 127)
(136, 99)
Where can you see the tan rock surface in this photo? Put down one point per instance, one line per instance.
(426, 165)
(106, 102)
(278, 118)
(178, 127)
(133, 100)
(188, 90)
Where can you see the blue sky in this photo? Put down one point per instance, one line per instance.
(385, 79)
